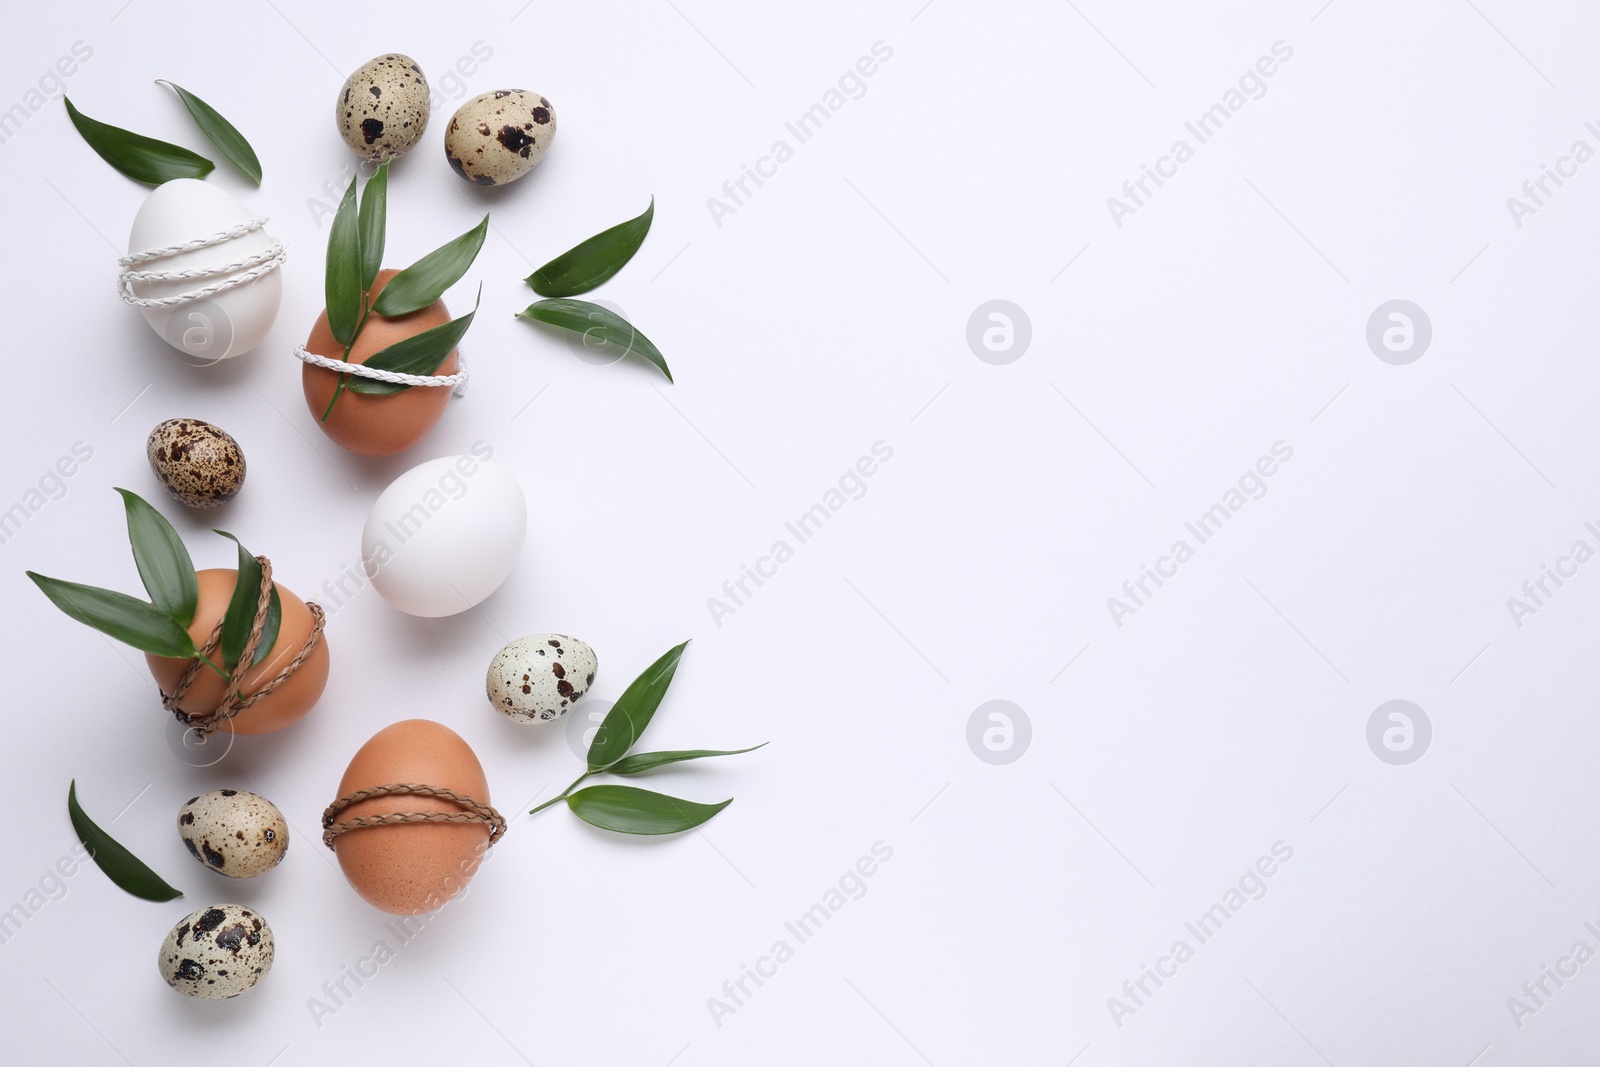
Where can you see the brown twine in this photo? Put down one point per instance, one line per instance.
(232, 703)
(477, 811)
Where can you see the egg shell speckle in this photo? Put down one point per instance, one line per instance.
(539, 677)
(217, 953)
(201, 465)
(383, 107)
(233, 832)
(499, 136)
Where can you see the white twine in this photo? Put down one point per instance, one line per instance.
(456, 381)
(252, 267)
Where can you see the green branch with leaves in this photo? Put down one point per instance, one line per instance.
(628, 809)
(161, 625)
(355, 255)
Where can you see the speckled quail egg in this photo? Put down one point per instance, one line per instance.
(233, 832)
(201, 465)
(217, 953)
(538, 678)
(383, 107)
(499, 136)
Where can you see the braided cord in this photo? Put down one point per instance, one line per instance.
(456, 381)
(474, 811)
(239, 272)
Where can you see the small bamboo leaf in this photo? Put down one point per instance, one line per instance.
(164, 564)
(374, 208)
(587, 265)
(632, 712)
(421, 353)
(220, 132)
(598, 324)
(640, 762)
(342, 286)
(144, 159)
(242, 611)
(133, 622)
(426, 280)
(125, 869)
(630, 810)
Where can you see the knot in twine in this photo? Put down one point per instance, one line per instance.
(252, 267)
(456, 381)
(232, 701)
(476, 811)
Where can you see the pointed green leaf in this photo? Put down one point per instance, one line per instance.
(421, 353)
(124, 869)
(242, 611)
(164, 564)
(220, 132)
(374, 208)
(587, 265)
(633, 710)
(597, 325)
(342, 286)
(133, 622)
(630, 810)
(144, 159)
(426, 280)
(640, 762)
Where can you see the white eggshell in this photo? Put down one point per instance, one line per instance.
(444, 535)
(216, 327)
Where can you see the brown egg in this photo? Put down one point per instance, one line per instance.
(411, 868)
(289, 702)
(385, 424)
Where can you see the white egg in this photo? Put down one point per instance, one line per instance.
(223, 324)
(444, 535)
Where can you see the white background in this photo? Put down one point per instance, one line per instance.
(828, 313)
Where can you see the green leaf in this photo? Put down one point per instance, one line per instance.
(587, 265)
(426, 280)
(133, 622)
(630, 810)
(342, 286)
(633, 710)
(598, 324)
(242, 611)
(640, 762)
(374, 208)
(421, 353)
(144, 159)
(220, 132)
(125, 869)
(164, 564)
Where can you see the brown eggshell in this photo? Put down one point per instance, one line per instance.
(411, 868)
(289, 702)
(376, 425)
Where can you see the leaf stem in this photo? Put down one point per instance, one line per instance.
(564, 793)
(220, 672)
(366, 309)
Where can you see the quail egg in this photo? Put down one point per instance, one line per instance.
(383, 107)
(498, 137)
(538, 678)
(233, 832)
(201, 465)
(217, 953)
